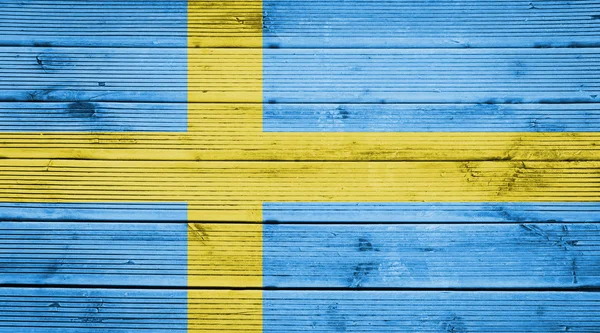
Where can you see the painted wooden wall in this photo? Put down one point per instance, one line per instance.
(299, 165)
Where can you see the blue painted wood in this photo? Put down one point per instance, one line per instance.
(488, 76)
(33, 310)
(93, 74)
(438, 212)
(109, 254)
(431, 118)
(94, 211)
(307, 255)
(141, 254)
(448, 312)
(446, 23)
(55, 310)
(356, 23)
(128, 23)
(431, 256)
(157, 311)
(173, 117)
(93, 117)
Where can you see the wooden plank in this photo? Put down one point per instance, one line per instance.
(430, 117)
(303, 212)
(467, 256)
(425, 212)
(121, 212)
(234, 131)
(94, 23)
(100, 310)
(166, 117)
(396, 23)
(93, 74)
(431, 256)
(300, 75)
(102, 254)
(235, 191)
(429, 75)
(94, 117)
(95, 310)
(276, 23)
(237, 144)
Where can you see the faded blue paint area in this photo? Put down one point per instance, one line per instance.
(431, 118)
(486, 76)
(93, 117)
(158, 212)
(411, 24)
(111, 254)
(88, 75)
(43, 310)
(132, 23)
(507, 255)
(433, 212)
(422, 311)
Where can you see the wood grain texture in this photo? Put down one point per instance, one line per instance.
(116, 212)
(300, 256)
(466, 23)
(161, 311)
(110, 254)
(572, 117)
(83, 117)
(315, 212)
(300, 75)
(235, 191)
(431, 256)
(364, 144)
(235, 138)
(427, 212)
(234, 131)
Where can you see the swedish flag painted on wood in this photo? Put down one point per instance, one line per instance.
(286, 166)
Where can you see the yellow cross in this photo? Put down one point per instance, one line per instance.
(125, 166)
(216, 167)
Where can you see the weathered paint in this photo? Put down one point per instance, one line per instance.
(430, 212)
(161, 311)
(99, 254)
(358, 23)
(93, 117)
(431, 118)
(223, 79)
(236, 191)
(93, 211)
(300, 75)
(509, 255)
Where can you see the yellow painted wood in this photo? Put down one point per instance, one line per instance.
(234, 132)
(225, 23)
(233, 24)
(231, 191)
(225, 255)
(228, 74)
(224, 311)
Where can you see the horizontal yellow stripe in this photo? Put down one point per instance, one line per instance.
(227, 143)
(236, 190)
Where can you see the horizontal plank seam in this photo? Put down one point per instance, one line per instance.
(360, 289)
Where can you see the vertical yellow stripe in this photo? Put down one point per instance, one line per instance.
(225, 255)
(225, 311)
(225, 65)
